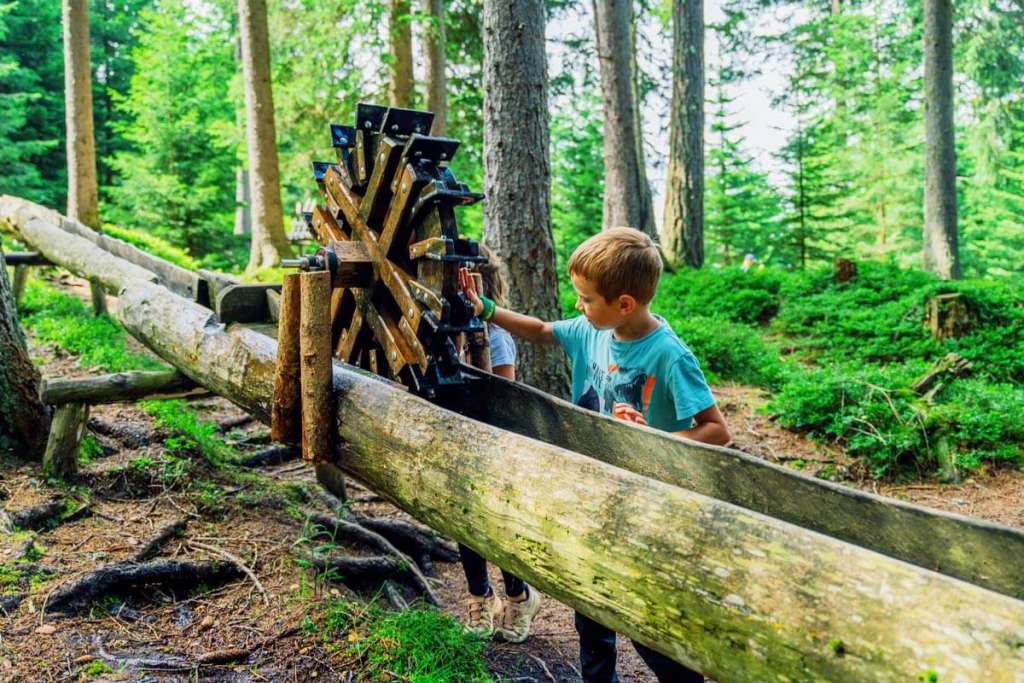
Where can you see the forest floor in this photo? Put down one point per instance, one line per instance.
(276, 625)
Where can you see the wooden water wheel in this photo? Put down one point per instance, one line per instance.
(390, 240)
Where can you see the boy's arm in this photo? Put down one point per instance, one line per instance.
(525, 326)
(708, 427)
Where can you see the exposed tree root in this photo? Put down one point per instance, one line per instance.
(235, 654)
(127, 434)
(234, 422)
(268, 457)
(255, 439)
(9, 603)
(124, 576)
(163, 534)
(349, 530)
(36, 517)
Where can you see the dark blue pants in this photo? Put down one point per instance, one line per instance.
(475, 568)
(597, 657)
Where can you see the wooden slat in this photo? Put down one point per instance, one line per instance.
(375, 201)
(406, 187)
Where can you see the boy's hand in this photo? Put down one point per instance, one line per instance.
(624, 411)
(469, 289)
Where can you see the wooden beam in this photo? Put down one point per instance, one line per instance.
(733, 593)
(61, 457)
(26, 258)
(116, 388)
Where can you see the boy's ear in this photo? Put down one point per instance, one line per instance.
(627, 304)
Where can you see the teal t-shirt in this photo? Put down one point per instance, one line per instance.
(656, 374)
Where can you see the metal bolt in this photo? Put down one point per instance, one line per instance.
(381, 157)
(443, 155)
(394, 126)
(412, 311)
(393, 355)
(405, 187)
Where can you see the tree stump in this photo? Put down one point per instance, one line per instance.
(845, 270)
(61, 457)
(948, 315)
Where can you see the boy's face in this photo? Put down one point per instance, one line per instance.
(602, 313)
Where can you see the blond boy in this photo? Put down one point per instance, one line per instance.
(626, 362)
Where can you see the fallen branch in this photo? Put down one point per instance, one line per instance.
(238, 563)
(124, 576)
(234, 654)
(162, 536)
(35, 518)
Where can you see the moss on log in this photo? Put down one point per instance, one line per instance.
(733, 593)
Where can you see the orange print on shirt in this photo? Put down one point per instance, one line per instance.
(648, 389)
(613, 367)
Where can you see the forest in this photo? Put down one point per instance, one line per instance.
(836, 188)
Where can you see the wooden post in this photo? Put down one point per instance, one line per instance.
(285, 417)
(315, 367)
(20, 278)
(61, 457)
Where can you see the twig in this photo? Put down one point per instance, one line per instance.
(241, 565)
(547, 671)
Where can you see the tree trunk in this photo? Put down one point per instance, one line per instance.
(269, 243)
(400, 67)
(83, 193)
(243, 218)
(627, 195)
(437, 83)
(24, 421)
(517, 174)
(941, 242)
(736, 594)
(683, 227)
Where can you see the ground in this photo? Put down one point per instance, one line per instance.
(270, 625)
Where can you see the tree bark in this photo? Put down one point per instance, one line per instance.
(116, 388)
(24, 420)
(627, 194)
(83, 193)
(517, 174)
(683, 228)
(400, 66)
(243, 219)
(269, 243)
(941, 241)
(437, 82)
(735, 594)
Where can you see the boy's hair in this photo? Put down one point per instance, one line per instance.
(494, 281)
(619, 261)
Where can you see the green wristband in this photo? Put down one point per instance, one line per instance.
(489, 307)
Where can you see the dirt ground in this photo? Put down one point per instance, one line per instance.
(254, 621)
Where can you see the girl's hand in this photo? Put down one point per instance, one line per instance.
(469, 289)
(624, 411)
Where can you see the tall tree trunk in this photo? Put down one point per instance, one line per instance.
(517, 173)
(941, 243)
(24, 421)
(243, 202)
(437, 82)
(627, 195)
(83, 193)
(269, 243)
(683, 230)
(400, 34)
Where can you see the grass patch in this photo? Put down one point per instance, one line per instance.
(420, 645)
(153, 245)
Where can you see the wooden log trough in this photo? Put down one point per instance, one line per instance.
(734, 593)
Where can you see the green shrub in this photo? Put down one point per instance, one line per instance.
(152, 244)
(730, 351)
(189, 434)
(63, 320)
(751, 297)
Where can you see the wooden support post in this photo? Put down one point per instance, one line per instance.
(315, 367)
(61, 457)
(99, 298)
(20, 279)
(285, 416)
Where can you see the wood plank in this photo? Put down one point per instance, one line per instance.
(244, 303)
(375, 201)
(980, 552)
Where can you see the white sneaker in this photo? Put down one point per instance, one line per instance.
(482, 613)
(517, 617)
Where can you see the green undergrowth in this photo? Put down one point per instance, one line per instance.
(153, 245)
(840, 359)
(419, 644)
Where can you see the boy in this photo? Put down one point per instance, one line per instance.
(628, 363)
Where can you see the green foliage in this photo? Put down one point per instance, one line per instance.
(88, 449)
(177, 178)
(95, 669)
(152, 244)
(420, 645)
(63, 320)
(729, 350)
(189, 434)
